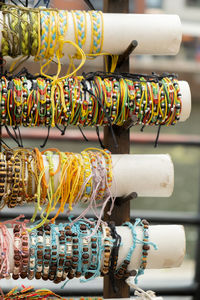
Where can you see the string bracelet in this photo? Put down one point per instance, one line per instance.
(95, 99)
(145, 248)
(31, 293)
(122, 271)
(30, 176)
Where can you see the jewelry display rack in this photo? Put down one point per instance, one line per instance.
(121, 210)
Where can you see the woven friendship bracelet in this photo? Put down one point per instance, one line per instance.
(37, 31)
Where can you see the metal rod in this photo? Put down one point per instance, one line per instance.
(90, 5)
(123, 57)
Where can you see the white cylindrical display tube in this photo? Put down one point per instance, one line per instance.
(169, 239)
(156, 34)
(186, 100)
(147, 175)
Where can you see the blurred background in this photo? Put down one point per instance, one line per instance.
(182, 141)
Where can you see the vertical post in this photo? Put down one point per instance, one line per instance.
(122, 213)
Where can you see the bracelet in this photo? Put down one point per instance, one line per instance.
(97, 99)
(39, 253)
(17, 252)
(108, 243)
(47, 251)
(25, 253)
(3, 171)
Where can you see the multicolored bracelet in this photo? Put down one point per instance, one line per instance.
(77, 178)
(97, 99)
(40, 294)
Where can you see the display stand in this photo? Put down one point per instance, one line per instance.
(121, 210)
(122, 213)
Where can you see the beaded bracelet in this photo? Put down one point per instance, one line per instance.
(32, 258)
(92, 100)
(39, 253)
(74, 272)
(3, 171)
(25, 253)
(61, 252)
(17, 252)
(69, 250)
(121, 272)
(96, 254)
(53, 263)
(107, 250)
(85, 247)
(47, 251)
(145, 247)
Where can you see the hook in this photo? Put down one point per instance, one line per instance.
(124, 56)
(120, 200)
(89, 4)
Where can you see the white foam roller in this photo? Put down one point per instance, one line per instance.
(170, 240)
(156, 34)
(147, 175)
(186, 100)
